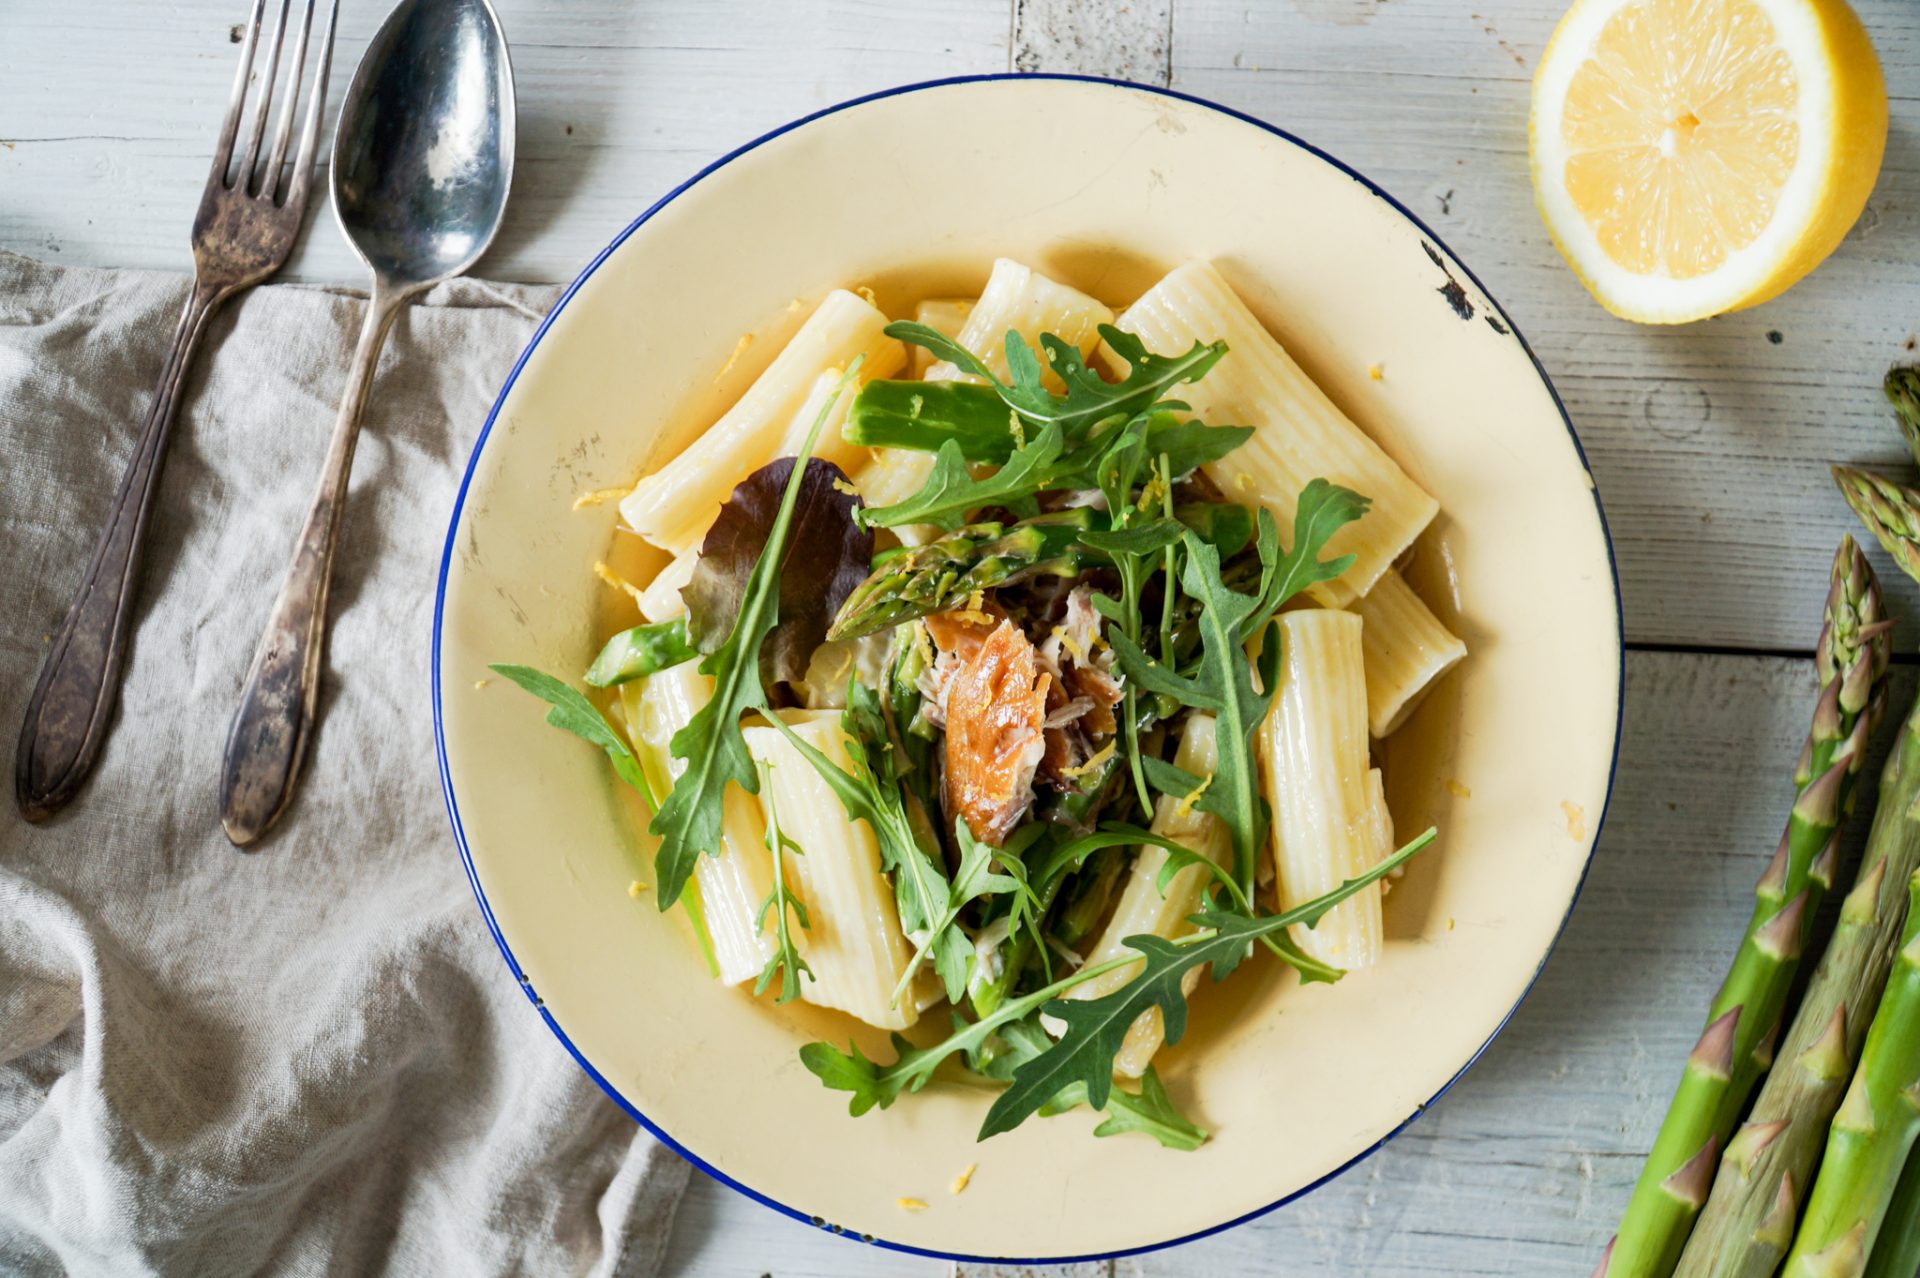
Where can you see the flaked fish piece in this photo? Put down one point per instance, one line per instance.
(996, 707)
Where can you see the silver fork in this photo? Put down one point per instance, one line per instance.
(250, 215)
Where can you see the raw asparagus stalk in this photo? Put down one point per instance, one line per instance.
(1747, 1225)
(1897, 1252)
(1735, 1049)
(1874, 1131)
(1890, 512)
(945, 574)
(1902, 386)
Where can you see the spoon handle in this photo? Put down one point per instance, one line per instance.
(270, 729)
(72, 704)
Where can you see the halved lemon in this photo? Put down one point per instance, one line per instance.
(1692, 157)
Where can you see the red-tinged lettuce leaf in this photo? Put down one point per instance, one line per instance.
(827, 555)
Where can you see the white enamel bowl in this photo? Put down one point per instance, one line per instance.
(1106, 186)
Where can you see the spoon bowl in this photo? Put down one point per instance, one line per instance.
(423, 154)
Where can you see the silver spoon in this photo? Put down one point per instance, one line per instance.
(422, 160)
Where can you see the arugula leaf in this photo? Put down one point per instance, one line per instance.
(1176, 782)
(1089, 398)
(1140, 539)
(1188, 445)
(951, 491)
(1149, 1111)
(872, 1084)
(1064, 858)
(925, 415)
(872, 792)
(1226, 526)
(972, 879)
(572, 712)
(688, 822)
(641, 651)
(1224, 681)
(785, 961)
(1096, 1028)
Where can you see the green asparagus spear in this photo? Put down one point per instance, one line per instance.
(1747, 1225)
(1896, 1254)
(1902, 386)
(1890, 512)
(1874, 1130)
(1736, 1047)
(944, 574)
(925, 415)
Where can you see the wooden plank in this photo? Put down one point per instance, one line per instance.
(1523, 1168)
(1710, 443)
(107, 123)
(1128, 40)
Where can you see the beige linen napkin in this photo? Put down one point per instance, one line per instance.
(310, 1059)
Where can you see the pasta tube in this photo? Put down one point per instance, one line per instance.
(1380, 828)
(1315, 741)
(661, 600)
(1143, 908)
(893, 475)
(1020, 298)
(734, 881)
(1406, 650)
(830, 446)
(853, 941)
(673, 506)
(945, 315)
(1299, 433)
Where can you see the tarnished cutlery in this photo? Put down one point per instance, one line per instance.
(422, 159)
(250, 215)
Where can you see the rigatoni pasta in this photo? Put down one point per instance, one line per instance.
(1147, 908)
(854, 944)
(1406, 648)
(672, 507)
(735, 878)
(1018, 299)
(1317, 765)
(1299, 434)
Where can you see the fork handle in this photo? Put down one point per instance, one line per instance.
(72, 704)
(268, 739)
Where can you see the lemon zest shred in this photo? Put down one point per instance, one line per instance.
(635, 888)
(1458, 790)
(1184, 808)
(961, 1181)
(842, 486)
(1099, 757)
(615, 580)
(739, 349)
(1071, 644)
(911, 1204)
(1375, 372)
(598, 497)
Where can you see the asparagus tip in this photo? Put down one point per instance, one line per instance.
(1689, 1184)
(1776, 1228)
(1713, 1054)
(1827, 1058)
(1744, 1150)
(1780, 935)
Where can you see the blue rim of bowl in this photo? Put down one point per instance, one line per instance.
(453, 807)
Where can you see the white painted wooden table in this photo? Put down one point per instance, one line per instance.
(1710, 446)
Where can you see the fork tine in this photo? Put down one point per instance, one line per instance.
(263, 105)
(289, 103)
(316, 107)
(223, 153)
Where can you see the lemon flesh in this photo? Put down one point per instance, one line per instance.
(1692, 157)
